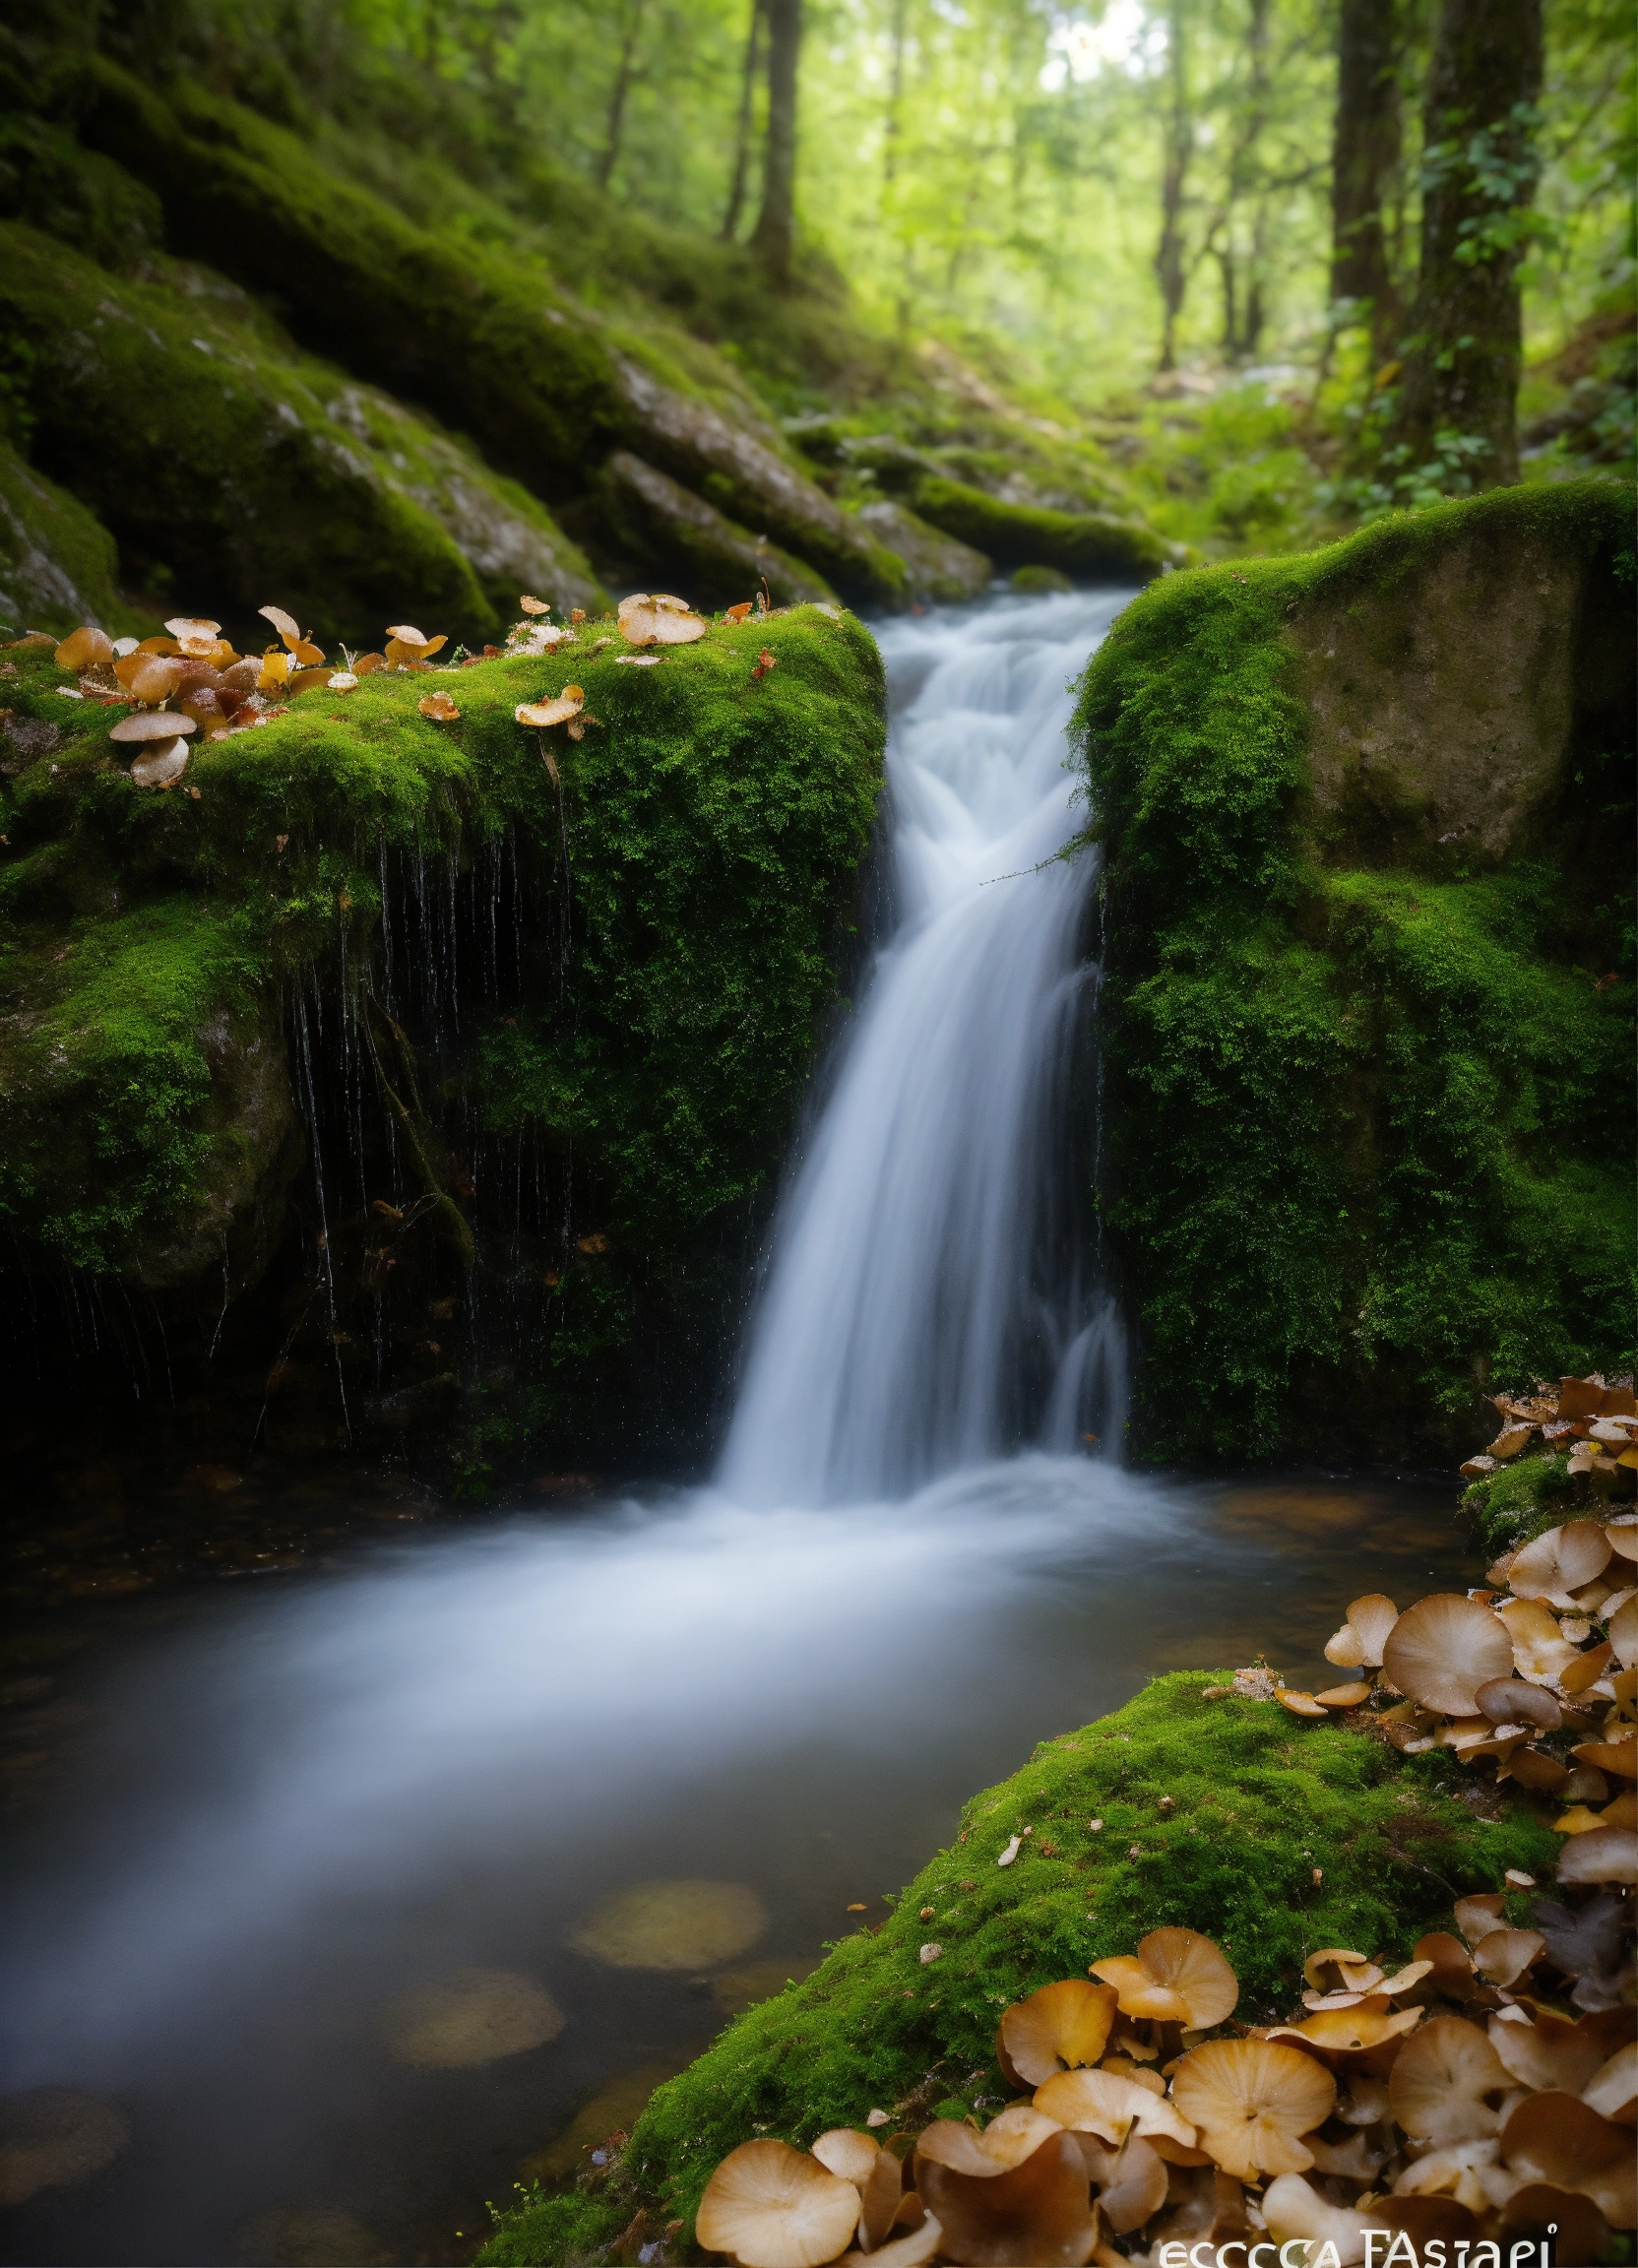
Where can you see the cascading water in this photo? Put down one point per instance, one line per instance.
(924, 1308)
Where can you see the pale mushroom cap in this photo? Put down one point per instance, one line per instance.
(1134, 2186)
(1039, 2211)
(1346, 1648)
(1252, 2100)
(160, 764)
(153, 724)
(406, 633)
(1294, 2210)
(1343, 1958)
(1624, 1633)
(1373, 1617)
(1441, 1650)
(774, 2207)
(1559, 1560)
(1601, 1855)
(1175, 1974)
(1447, 2083)
(847, 2152)
(1104, 2104)
(911, 2251)
(1613, 2088)
(1554, 2051)
(1061, 2024)
(552, 711)
(1343, 1696)
(1505, 1955)
(285, 624)
(1514, 1701)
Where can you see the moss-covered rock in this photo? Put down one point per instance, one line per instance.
(660, 524)
(1371, 1098)
(938, 567)
(1285, 1837)
(233, 469)
(554, 1016)
(57, 561)
(492, 343)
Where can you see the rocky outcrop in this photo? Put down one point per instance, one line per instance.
(244, 471)
(661, 523)
(57, 562)
(936, 566)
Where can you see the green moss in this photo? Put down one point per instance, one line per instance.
(180, 415)
(1370, 1131)
(1089, 546)
(712, 824)
(1263, 1803)
(1527, 1496)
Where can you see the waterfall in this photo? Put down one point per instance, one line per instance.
(931, 1298)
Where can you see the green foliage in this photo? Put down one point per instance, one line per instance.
(1370, 1131)
(1521, 1499)
(1284, 1838)
(1228, 475)
(234, 470)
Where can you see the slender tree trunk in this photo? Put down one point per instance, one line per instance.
(1478, 179)
(1365, 162)
(743, 128)
(624, 73)
(774, 235)
(893, 126)
(1176, 150)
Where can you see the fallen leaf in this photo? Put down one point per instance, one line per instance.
(534, 606)
(439, 706)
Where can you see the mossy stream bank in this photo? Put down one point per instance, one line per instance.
(400, 1077)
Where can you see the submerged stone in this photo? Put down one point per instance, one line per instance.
(54, 2138)
(309, 2237)
(474, 2016)
(736, 1989)
(615, 2109)
(691, 1924)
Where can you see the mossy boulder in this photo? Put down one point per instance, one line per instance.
(1088, 546)
(233, 470)
(57, 561)
(1284, 1837)
(510, 1031)
(491, 343)
(938, 567)
(1369, 1075)
(662, 525)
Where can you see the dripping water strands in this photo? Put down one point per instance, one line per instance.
(304, 1048)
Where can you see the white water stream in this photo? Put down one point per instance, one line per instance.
(926, 1309)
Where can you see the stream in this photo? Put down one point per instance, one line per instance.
(295, 1804)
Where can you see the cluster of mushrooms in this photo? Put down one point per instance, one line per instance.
(1594, 1420)
(1474, 2106)
(192, 680)
(645, 620)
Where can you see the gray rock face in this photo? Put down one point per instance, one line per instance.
(1443, 701)
(716, 562)
(940, 567)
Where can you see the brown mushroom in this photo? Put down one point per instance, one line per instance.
(161, 765)
(151, 724)
(769, 2206)
(874, 2172)
(1294, 2210)
(1038, 2211)
(1442, 1649)
(1534, 1769)
(1616, 1753)
(1554, 2051)
(1253, 2100)
(911, 2250)
(1300, 1704)
(1612, 2090)
(1342, 2037)
(1336, 1969)
(558, 711)
(1601, 1855)
(149, 677)
(1360, 1642)
(1558, 1561)
(1555, 2137)
(1514, 1701)
(1176, 1975)
(1505, 1954)
(1060, 2026)
(439, 706)
(1111, 2107)
(1624, 1632)
(1447, 2082)
(1343, 1696)
(1541, 2213)
(1424, 2219)
(1131, 2182)
(658, 621)
(87, 648)
(1477, 1915)
(1009, 2138)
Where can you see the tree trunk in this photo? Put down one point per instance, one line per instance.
(1478, 173)
(624, 73)
(743, 128)
(775, 231)
(1364, 162)
(893, 126)
(1176, 150)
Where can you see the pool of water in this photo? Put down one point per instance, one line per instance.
(287, 1806)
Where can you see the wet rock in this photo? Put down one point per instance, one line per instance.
(474, 2016)
(688, 1925)
(938, 566)
(54, 2138)
(309, 2237)
(1038, 582)
(57, 564)
(667, 526)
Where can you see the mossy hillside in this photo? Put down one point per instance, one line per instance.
(58, 563)
(233, 469)
(1285, 1837)
(712, 824)
(487, 339)
(1369, 1128)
